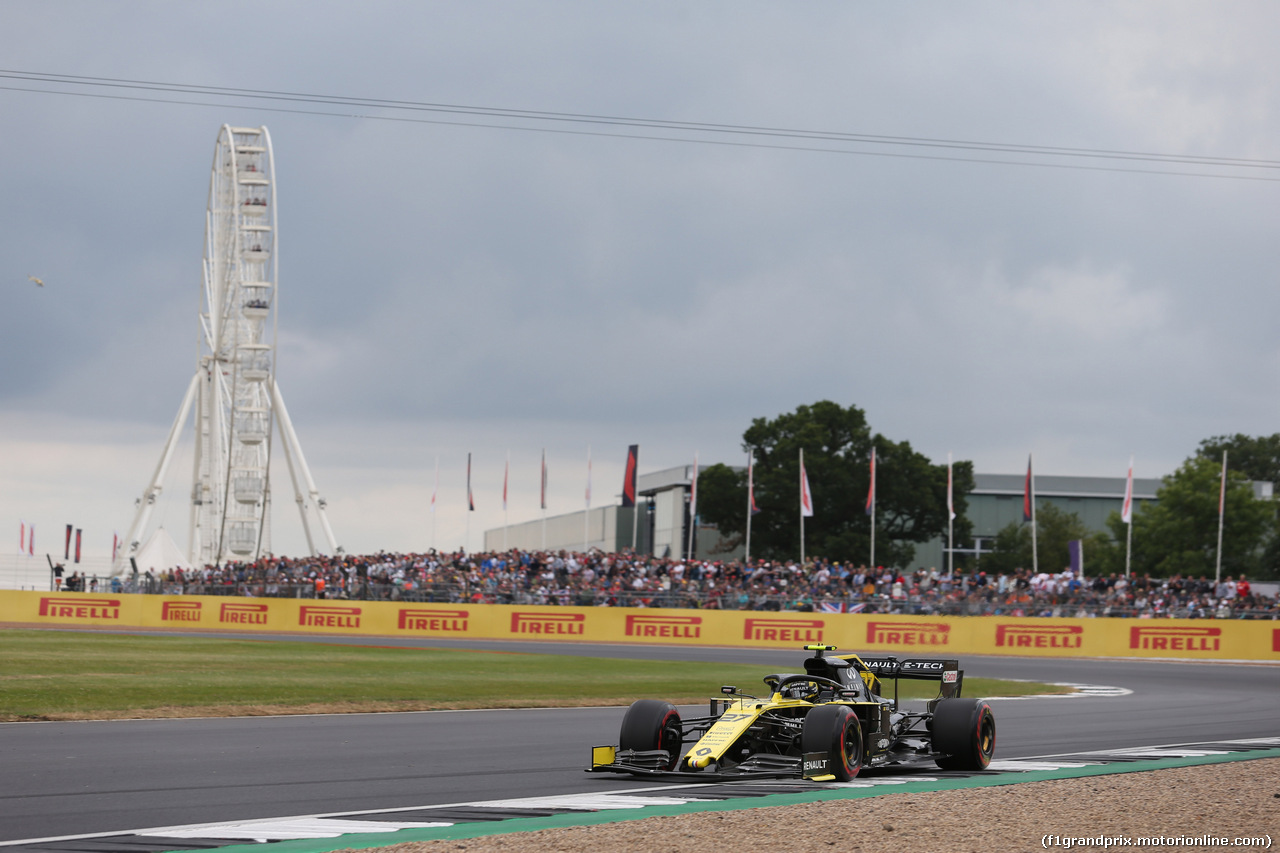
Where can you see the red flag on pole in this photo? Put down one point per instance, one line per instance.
(1028, 499)
(31, 541)
(629, 477)
(506, 471)
(77, 544)
(66, 551)
(806, 497)
(22, 536)
(871, 491)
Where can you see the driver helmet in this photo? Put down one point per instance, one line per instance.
(806, 690)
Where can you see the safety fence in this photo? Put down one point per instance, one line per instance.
(1036, 605)
(931, 636)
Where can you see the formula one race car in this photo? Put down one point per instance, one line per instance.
(824, 724)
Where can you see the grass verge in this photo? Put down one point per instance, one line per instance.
(49, 675)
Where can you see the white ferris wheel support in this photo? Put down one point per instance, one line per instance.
(234, 390)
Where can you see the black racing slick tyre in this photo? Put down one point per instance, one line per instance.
(964, 734)
(834, 731)
(652, 724)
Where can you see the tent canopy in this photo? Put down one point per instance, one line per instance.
(161, 553)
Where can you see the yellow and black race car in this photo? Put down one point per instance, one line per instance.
(824, 724)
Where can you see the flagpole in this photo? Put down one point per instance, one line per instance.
(506, 472)
(470, 508)
(951, 517)
(1222, 512)
(802, 487)
(693, 504)
(434, 492)
(1128, 548)
(543, 499)
(1035, 552)
(586, 515)
(750, 485)
(1127, 515)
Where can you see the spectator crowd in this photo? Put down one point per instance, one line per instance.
(632, 580)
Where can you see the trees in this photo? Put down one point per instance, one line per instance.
(1257, 458)
(1055, 527)
(1178, 534)
(910, 501)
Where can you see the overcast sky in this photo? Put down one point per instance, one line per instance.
(450, 284)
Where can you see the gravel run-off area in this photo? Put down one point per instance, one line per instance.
(1228, 800)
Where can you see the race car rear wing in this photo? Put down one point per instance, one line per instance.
(948, 672)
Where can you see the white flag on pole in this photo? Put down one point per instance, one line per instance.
(1126, 508)
(693, 489)
(951, 506)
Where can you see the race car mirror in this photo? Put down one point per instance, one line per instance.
(728, 690)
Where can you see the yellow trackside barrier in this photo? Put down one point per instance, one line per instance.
(1224, 639)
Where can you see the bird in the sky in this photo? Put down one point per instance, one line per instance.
(36, 280)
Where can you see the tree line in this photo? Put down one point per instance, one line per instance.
(1174, 535)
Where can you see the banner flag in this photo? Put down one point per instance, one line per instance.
(629, 477)
(66, 551)
(77, 544)
(806, 497)
(471, 501)
(1075, 552)
(871, 491)
(31, 541)
(542, 500)
(951, 505)
(693, 491)
(1126, 508)
(115, 545)
(1222, 517)
(22, 536)
(751, 485)
(1028, 495)
(1222, 489)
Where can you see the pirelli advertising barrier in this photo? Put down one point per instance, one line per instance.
(1225, 639)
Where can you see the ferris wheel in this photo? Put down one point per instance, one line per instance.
(234, 392)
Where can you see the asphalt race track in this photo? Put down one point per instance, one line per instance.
(73, 778)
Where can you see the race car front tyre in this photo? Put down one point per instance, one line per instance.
(964, 733)
(652, 724)
(834, 731)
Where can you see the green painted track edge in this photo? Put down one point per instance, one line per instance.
(364, 841)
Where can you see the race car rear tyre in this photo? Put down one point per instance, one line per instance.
(834, 730)
(652, 724)
(964, 731)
